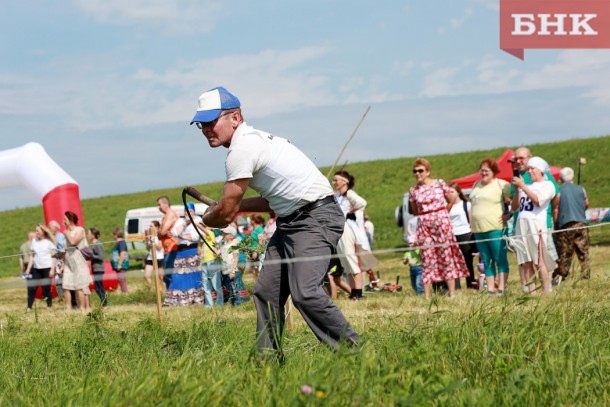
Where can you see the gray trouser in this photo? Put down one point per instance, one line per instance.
(309, 239)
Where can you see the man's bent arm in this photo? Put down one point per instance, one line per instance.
(223, 213)
(256, 204)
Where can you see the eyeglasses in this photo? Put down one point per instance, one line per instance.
(418, 171)
(201, 125)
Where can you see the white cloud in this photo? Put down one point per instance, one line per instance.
(403, 68)
(456, 22)
(490, 75)
(12, 99)
(439, 83)
(459, 21)
(586, 68)
(489, 4)
(170, 15)
(269, 81)
(92, 92)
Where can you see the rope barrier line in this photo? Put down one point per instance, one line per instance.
(548, 231)
(130, 274)
(399, 249)
(71, 248)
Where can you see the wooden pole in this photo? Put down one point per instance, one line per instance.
(347, 142)
(288, 308)
(153, 250)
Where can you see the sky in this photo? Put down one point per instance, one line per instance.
(108, 87)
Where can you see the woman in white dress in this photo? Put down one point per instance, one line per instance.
(76, 270)
(531, 237)
(353, 242)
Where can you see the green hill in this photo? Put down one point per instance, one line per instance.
(381, 182)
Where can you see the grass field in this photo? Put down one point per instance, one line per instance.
(471, 350)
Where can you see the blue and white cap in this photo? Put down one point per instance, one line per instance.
(212, 103)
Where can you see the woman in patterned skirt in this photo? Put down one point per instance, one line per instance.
(429, 201)
(186, 286)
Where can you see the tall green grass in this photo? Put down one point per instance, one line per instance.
(484, 352)
(472, 350)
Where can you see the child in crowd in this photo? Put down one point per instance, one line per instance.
(211, 267)
(229, 262)
(153, 242)
(412, 258)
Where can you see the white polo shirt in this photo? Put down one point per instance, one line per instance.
(277, 170)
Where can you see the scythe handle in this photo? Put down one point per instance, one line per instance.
(199, 196)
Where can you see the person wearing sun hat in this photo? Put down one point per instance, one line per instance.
(521, 159)
(531, 238)
(229, 256)
(309, 222)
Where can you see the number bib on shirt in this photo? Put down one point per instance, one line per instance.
(545, 191)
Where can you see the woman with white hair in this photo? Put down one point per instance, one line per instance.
(531, 238)
(570, 222)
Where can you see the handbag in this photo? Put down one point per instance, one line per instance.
(87, 253)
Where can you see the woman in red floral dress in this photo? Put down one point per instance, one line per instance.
(429, 201)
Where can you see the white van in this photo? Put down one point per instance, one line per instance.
(137, 222)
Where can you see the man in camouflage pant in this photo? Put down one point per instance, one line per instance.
(573, 202)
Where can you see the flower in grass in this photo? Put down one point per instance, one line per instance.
(319, 394)
(306, 389)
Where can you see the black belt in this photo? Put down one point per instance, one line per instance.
(308, 207)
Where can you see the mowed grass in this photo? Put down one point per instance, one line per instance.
(471, 350)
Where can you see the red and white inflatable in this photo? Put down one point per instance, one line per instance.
(31, 166)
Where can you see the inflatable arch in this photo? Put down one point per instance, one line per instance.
(31, 166)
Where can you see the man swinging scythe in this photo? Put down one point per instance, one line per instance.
(309, 222)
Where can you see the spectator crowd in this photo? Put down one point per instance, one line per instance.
(455, 240)
(542, 223)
